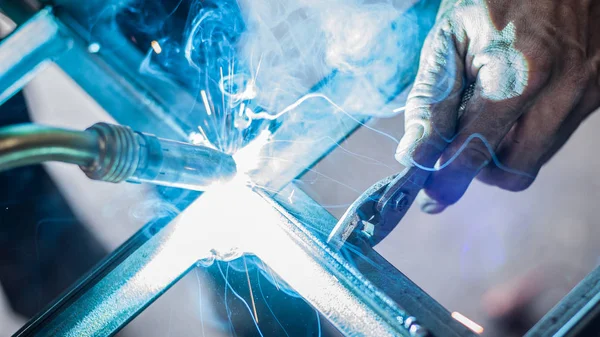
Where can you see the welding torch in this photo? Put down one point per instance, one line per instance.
(116, 153)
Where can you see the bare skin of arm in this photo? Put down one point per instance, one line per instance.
(534, 66)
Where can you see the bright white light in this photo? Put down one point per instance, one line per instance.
(196, 138)
(248, 158)
(205, 100)
(156, 47)
(94, 47)
(467, 322)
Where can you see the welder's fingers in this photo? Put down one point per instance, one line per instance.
(497, 103)
(482, 128)
(539, 134)
(431, 109)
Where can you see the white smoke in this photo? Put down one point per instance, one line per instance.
(299, 42)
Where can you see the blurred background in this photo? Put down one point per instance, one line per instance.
(502, 259)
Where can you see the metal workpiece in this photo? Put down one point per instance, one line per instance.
(577, 314)
(106, 300)
(27, 144)
(28, 50)
(427, 314)
(329, 282)
(145, 267)
(358, 296)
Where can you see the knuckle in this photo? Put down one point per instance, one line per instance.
(446, 23)
(504, 75)
(451, 18)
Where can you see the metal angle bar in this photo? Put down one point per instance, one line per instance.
(327, 281)
(374, 267)
(355, 304)
(111, 301)
(28, 50)
(573, 312)
(318, 274)
(430, 313)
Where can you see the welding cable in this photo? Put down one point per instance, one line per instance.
(27, 144)
(116, 153)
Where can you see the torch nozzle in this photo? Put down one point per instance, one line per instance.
(127, 155)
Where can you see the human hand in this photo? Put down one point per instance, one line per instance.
(533, 65)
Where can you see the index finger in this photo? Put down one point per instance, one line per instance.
(433, 103)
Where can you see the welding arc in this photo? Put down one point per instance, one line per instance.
(28, 144)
